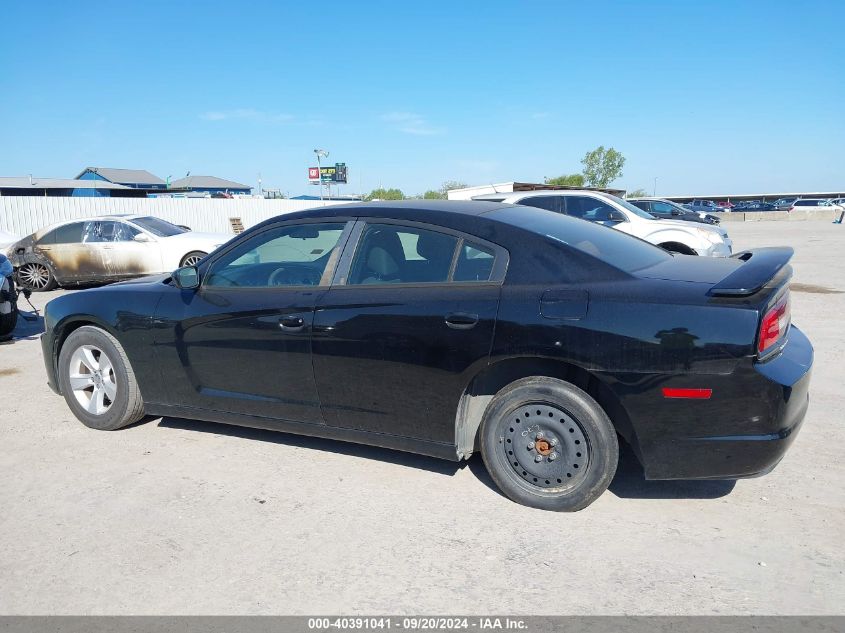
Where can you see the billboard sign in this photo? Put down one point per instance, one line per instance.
(327, 174)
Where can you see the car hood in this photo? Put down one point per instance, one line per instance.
(692, 268)
(148, 280)
(213, 238)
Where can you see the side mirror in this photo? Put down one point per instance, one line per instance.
(142, 237)
(616, 216)
(186, 277)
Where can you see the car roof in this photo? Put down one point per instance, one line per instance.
(537, 193)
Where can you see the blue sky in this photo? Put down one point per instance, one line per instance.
(708, 97)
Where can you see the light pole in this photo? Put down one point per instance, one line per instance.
(655, 187)
(321, 153)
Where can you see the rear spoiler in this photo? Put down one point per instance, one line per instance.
(761, 266)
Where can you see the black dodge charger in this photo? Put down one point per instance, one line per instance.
(454, 327)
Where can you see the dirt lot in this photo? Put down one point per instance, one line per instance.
(179, 517)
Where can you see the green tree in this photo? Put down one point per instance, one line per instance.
(602, 166)
(572, 180)
(386, 194)
(637, 193)
(451, 184)
(431, 194)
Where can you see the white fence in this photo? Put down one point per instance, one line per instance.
(22, 215)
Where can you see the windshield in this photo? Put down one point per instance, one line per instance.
(158, 227)
(618, 249)
(630, 207)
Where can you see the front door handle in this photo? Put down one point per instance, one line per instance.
(461, 320)
(292, 323)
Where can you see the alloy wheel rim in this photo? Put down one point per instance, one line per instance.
(193, 260)
(92, 379)
(34, 275)
(545, 447)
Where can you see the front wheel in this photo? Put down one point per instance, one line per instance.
(192, 259)
(549, 445)
(97, 380)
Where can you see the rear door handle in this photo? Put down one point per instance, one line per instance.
(292, 323)
(461, 320)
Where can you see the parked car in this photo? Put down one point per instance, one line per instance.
(106, 248)
(8, 298)
(759, 206)
(666, 209)
(813, 203)
(783, 204)
(445, 328)
(673, 235)
(703, 206)
(725, 205)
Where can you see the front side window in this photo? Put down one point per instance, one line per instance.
(590, 209)
(109, 231)
(297, 255)
(661, 208)
(391, 254)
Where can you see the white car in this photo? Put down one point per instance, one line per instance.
(673, 235)
(107, 248)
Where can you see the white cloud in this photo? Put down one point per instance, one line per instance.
(410, 123)
(246, 114)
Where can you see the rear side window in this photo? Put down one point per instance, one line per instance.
(618, 249)
(549, 203)
(67, 234)
(475, 263)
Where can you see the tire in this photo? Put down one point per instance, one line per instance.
(192, 258)
(37, 277)
(577, 447)
(8, 309)
(82, 356)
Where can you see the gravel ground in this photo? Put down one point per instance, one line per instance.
(180, 517)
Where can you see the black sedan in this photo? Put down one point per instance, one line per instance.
(446, 328)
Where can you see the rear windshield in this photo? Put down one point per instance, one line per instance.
(158, 227)
(618, 249)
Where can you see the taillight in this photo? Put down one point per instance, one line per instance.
(775, 324)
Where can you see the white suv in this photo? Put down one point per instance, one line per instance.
(673, 235)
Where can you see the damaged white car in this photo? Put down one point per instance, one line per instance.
(108, 248)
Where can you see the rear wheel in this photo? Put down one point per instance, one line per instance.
(97, 380)
(548, 444)
(37, 277)
(193, 258)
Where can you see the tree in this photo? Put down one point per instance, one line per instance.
(637, 193)
(386, 194)
(451, 184)
(572, 180)
(602, 166)
(431, 194)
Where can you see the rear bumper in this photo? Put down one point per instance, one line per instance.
(744, 430)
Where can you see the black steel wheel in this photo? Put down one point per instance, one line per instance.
(36, 276)
(548, 444)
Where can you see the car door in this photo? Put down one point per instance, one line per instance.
(120, 254)
(408, 322)
(241, 342)
(72, 259)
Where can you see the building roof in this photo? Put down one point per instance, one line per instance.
(134, 176)
(25, 182)
(207, 182)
